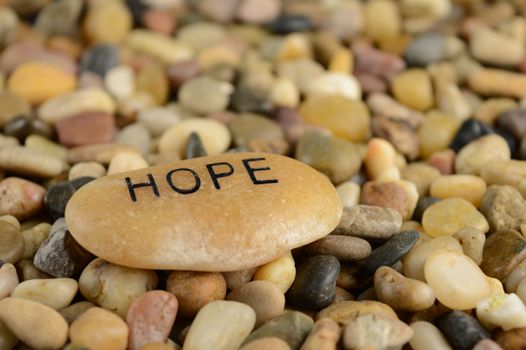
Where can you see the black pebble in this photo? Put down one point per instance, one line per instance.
(461, 330)
(58, 195)
(315, 284)
(100, 59)
(422, 205)
(194, 147)
(21, 127)
(470, 130)
(137, 9)
(389, 252)
(287, 24)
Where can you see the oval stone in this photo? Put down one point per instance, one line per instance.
(220, 213)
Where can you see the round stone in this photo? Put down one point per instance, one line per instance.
(315, 283)
(344, 248)
(55, 293)
(413, 88)
(12, 242)
(205, 95)
(456, 280)
(181, 189)
(20, 198)
(345, 118)
(468, 187)
(450, 215)
(99, 329)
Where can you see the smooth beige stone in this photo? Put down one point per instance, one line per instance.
(214, 136)
(476, 154)
(221, 325)
(349, 193)
(75, 102)
(505, 172)
(504, 310)
(414, 89)
(126, 161)
(515, 277)
(55, 292)
(33, 238)
(40, 143)
(457, 281)
(37, 325)
(427, 336)
(26, 161)
(380, 156)
(469, 187)
(166, 49)
(448, 216)
(495, 286)
(414, 261)
(272, 201)
(93, 169)
(347, 311)
(8, 279)
(472, 242)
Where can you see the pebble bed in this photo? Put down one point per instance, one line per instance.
(359, 174)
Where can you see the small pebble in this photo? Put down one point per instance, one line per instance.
(315, 283)
(450, 215)
(461, 330)
(85, 129)
(266, 343)
(236, 279)
(48, 328)
(344, 248)
(58, 195)
(114, 287)
(369, 222)
(347, 311)
(225, 323)
(100, 329)
(472, 242)
(325, 334)
(469, 187)
(476, 154)
(8, 280)
(12, 247)
(426, 335)
(374, 331)
(25, 161)
(73, 311)
(291, 326)
(436, 133)
(504, 207)
(56, 293)
(86, 169)
(387, 195)
(281, 271)
(265, 298)
(505, 310)
(413, 88)
(390, 252)
(195, 289)
(457, 281)
(503, 251)
(126, 161)
(150, 318)
(20, 198)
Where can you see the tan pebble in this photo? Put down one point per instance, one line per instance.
(55, 293)
(503, 310)
(380, 156)
(280, 271)
(478, 153)
(382, 18)
(293, 47)
(375, 331)
(164, 48)
(468, 187)
(99, 329)
(75, 102)
(35, 324)
(120, 81)
(427, 336)
(422, 175)
(12, 242)
(38, 142)
(389, 174)
(490, 46)
(114, 287)
(258, 11)
(402, 293)
(386, 194)
(413, 88)
(336, 84)
(284, 93)
(497, 82)
(342, 295)
(436, 133)
(412, 197)
(367, 221)
(457, 281)
(8, 280)
(214, 135)
(150, 318)
(12, 105)
(28, 271)
(73, 311)
(195, 289)
(383, 104)
(342, 61)
(495, 286)
(324, 335)
(347, 311)
(450, 215)
(472, 242)
(101, 12)
(126, 161)
(31, 81)
(414, 261)
(20, 198)
(25, 161)
(489, 110)
(153, 80)
(100, 153)
(266, 343)
(349, 193)
(344, 248)
(82, 169)
(236, 279)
